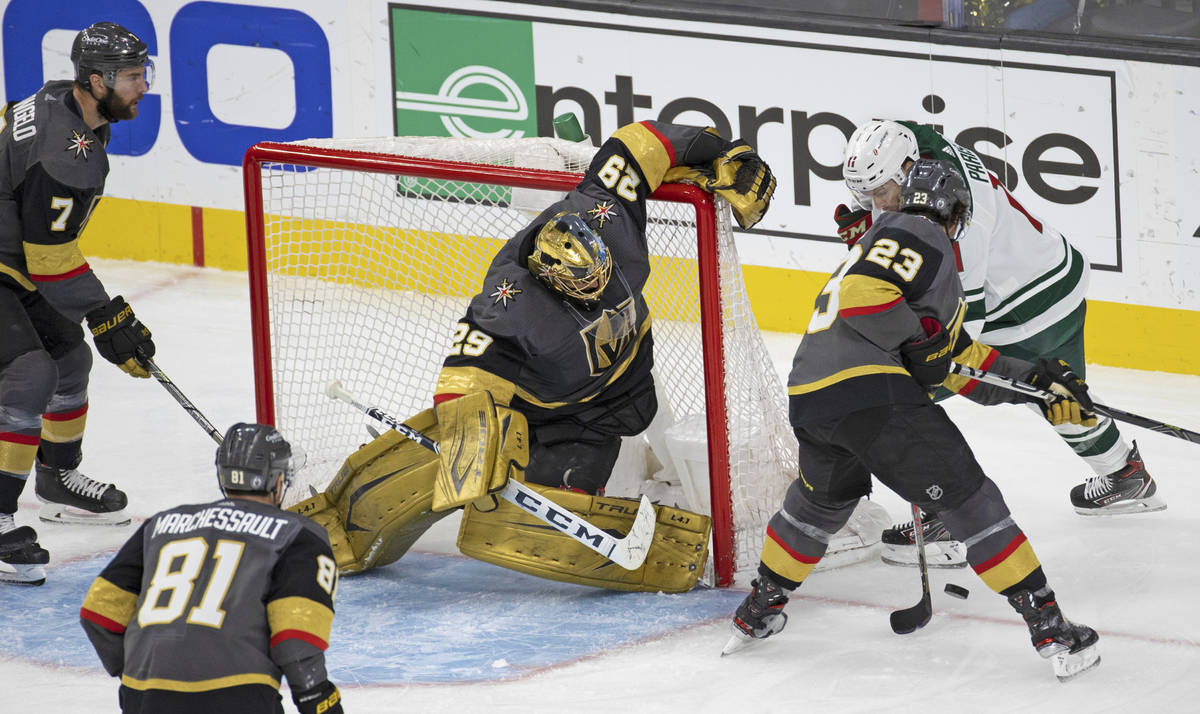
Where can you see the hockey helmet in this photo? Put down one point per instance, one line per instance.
(875, 155)
(106, 48)
(570, 258)
(252, 458)
(934, 187)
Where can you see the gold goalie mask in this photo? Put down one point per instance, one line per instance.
(570, 258)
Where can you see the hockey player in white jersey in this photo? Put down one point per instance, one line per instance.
(1025, 285)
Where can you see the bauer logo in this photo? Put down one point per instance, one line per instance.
(462, 75)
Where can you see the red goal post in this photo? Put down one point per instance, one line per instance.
(359, 233)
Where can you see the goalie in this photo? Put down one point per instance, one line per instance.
(549, 368)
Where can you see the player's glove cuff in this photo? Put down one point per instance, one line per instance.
(321, 699)
(852, 223)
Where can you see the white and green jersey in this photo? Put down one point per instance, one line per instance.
(1020, 276)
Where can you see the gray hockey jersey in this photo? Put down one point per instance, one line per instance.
(52, 172)
(903, 269)
(214, 595)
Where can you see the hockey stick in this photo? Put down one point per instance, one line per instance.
(914, 618)
(1017, 385)
(184, 402)
(628, 552)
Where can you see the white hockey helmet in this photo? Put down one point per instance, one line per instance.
(876, 154)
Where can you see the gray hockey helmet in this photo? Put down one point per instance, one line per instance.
(252, 458)
(106, 48)
(935, 188)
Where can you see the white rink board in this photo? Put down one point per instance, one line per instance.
(1134, 120)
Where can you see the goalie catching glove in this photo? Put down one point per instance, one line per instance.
(1071, 403)
(738, 175)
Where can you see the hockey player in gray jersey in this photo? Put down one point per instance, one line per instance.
(1025, 285)
(52, 172)
(881, 337)
(207, 606)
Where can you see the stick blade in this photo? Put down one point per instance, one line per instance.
(631, 550)
(912, 618)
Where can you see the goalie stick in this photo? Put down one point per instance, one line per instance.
(914, 618)
(179, 396)
(628, 552)
(1017, 385)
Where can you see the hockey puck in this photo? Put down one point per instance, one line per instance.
(957, 591)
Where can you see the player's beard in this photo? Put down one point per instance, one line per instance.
(116, 109)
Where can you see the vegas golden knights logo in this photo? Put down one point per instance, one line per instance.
(607, 338)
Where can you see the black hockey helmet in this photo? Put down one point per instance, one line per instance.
(252, 458)
(935, 188)
(106, 48)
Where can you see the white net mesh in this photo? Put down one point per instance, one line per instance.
(367, 274)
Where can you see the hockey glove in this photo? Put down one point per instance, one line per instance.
(852, 223)
(739, 175)
(1071, 403)
(745, 180)
(928, 359)
(321, 699)
(120, 337)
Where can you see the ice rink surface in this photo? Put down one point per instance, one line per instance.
(440, 633)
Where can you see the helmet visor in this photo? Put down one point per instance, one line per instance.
(131, 77)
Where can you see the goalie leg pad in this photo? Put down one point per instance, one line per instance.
(381, 501)
(511, 538)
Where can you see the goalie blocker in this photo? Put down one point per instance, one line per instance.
(383, 500)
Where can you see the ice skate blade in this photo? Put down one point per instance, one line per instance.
(1068, 666)
(22, 574)
(1121, 508)
(739, 641)
(58, 513)
(937, 555)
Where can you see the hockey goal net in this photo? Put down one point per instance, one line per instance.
(363, 255)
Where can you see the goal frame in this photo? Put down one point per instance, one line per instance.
(721, 505)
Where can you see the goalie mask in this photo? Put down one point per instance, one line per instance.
(937, 190)
(570, 258)
(253, 458)
(875, 155)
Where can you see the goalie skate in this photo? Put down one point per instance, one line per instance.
(941, 550)
(858, 540)
(68, 496)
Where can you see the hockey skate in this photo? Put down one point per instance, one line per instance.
(1070, 648)
(22, 560)
(941, 550)
(68, 496)
(759, 616)
(1128, 490)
